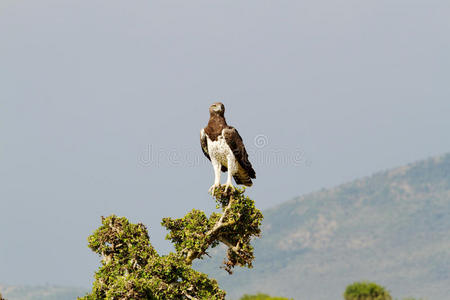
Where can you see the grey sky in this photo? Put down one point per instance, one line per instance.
(333, 90)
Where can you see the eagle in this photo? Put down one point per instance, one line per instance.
(224, 147)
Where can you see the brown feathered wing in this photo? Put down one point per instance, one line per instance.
(245, 169)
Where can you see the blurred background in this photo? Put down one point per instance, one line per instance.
(101, 104)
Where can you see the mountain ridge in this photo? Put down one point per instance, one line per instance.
(391, 227)
(43, 292)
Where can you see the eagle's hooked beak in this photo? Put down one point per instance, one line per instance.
(217, 107)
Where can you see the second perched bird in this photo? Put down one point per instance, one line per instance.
(224, 147)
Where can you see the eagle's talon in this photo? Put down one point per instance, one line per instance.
(213, 188)
(228, 185)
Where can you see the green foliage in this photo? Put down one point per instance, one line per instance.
(132, 269)
(366, 291)
(260, 296)
(238, 223)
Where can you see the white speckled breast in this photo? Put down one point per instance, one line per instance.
(220, 151)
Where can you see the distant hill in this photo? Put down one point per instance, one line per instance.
(392, 228)
(41, 292)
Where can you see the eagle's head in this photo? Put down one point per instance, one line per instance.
(217, 109)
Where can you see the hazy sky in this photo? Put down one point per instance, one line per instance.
(101, 104)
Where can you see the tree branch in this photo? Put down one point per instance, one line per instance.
(212, 233)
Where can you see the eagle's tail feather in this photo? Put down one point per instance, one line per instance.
(243, 178)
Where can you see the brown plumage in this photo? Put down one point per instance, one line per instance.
(224, 147)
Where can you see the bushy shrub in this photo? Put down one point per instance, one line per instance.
(260, 296)
(366, 291)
